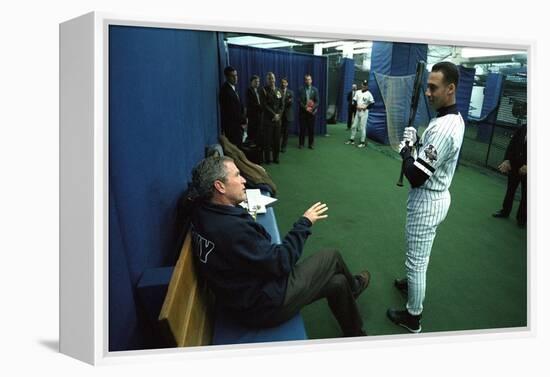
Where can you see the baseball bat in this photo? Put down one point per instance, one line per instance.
(420, 68)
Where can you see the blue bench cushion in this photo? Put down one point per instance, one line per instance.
(226, 331)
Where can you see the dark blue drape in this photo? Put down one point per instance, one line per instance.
(163, 87)
(346, 81)
(491, 100)
(392, 59)
(464, 90)
(257, 61)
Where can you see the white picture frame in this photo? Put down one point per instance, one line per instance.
(84, 187)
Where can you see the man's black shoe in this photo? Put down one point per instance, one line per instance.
(362, 282)
(501, 214)
(405, 319)
(311, 147)
(402, 285)
(276, 161)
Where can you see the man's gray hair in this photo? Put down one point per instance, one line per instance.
(208, 171)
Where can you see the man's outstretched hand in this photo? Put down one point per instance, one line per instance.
(316, 212)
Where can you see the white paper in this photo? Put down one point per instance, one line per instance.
(255, 200)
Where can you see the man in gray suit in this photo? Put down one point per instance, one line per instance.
(309, 102)
(288, 112)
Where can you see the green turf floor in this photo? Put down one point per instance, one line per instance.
(477, 277)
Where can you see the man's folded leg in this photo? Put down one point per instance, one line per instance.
(325, 275)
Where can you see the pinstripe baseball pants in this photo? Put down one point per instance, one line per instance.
(360, 124)
(425, 211)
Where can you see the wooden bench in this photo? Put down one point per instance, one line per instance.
(186, 314)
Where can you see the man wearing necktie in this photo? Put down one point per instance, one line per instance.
(233, 120)
(352, 105)
(288, 112)
(254, 109)
(309, 102)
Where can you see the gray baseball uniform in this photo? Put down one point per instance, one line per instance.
(363, 99)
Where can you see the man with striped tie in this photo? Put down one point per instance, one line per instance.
(430, 173)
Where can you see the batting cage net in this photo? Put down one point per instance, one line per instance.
(396, 93)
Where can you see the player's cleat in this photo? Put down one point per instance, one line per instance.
(501, 214)
(362, 145)
(362, 281)
(350, 142)
(402, 285)
(404, 319)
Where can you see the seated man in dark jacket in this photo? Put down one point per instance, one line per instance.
(256, 282)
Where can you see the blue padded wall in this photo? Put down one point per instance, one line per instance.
(346, 81)
(492, 92)
(393, 59)
(258, 61)
(163, 86)
(491, 100)
(464, 91)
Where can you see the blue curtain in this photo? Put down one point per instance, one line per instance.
(257, 61)
(346, 81)
(491, 100)
(464, 91)
(492, 92)
(163, 86)
(392, 59)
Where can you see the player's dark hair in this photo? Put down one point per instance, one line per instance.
(449, 70)
(285, 79)
(254, 77)
(227, 70)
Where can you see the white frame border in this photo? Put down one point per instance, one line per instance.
(99, 269)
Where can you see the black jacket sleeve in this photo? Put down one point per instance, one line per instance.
(415, 170)
(269, 259)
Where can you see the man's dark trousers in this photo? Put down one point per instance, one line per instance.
(514, 179)
(307, 122)
(322, 275)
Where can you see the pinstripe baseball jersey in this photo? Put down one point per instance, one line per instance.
(363, 99)
(440, 147)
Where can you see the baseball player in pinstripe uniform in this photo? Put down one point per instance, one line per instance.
(430, 173)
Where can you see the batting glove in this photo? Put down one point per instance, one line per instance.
(402, 145)
(409, 134)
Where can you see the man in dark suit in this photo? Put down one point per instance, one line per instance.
(309, 102)
(254, 110)
(233, 119)
(515, 165)
(352, 106)
(272, 103)
(288, 113)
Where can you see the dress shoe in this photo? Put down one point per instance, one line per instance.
(501, 214)
(311, 147)
(362, 282)
(275, 161)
